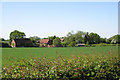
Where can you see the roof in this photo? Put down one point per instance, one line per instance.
(61, 39)
(80, 44)
(23, 40)
(44, 41)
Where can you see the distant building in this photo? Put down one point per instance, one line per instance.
(62, 40)
(80, 45)
(22, 42)
(46, 43)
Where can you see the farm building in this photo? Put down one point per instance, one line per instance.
(62, 40)
(46, 43)
(22, 42)
(80, 45)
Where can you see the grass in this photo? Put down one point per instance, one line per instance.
(10, 55)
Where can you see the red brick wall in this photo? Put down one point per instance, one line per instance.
(12, 43)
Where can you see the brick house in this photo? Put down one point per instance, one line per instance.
(62, 40)
(22, 42)
(46, 43)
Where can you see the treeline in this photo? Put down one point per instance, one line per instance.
(71, 40)
(85, 38)
(4, 43)
(80, 37)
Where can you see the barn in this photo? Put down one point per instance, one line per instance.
(22, 42)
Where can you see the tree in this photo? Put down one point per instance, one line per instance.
(35, 40)
(2, 39)
(45, 38)
(108, 41)
(115, 39)
(70, 37)
(87, 44)
(56, 42)
(73, 38)
(87, 38)
(72, 44)
(52, 37)
(79, 36)
(16, 35)
(4, 44)
(94, 38)
(64, 44)
(102, 40)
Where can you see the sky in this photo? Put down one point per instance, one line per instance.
(45, 19)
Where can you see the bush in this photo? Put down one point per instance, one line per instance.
(56, 42)
(103, 44)
(87, 44)
(4, 45)
(72, 44)
(64, 44)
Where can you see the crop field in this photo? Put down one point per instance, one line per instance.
(9, 55)
(64, 63)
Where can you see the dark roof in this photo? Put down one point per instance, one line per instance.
(44, 41)
(23, 40)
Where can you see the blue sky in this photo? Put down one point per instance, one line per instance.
(45, 19)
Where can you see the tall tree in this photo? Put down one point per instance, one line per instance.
(115, 39)
(73, 38)
(2, 39)
(70, 38)
(102, 40)
(35, 40)
(52, 37)
(87, 38)
(95, 38)
(79, 36)
(16, 35)
(56, 42)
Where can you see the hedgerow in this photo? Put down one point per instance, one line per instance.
(83, 67)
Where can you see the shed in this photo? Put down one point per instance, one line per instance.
(80, 45)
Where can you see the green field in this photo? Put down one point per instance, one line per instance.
(70, 63)
(10, 55)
